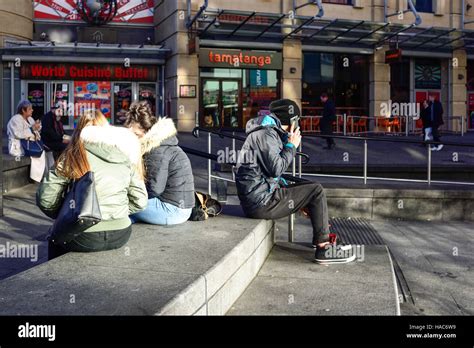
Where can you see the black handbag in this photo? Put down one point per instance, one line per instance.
(80, 210)
(205, 207)
(32, 148)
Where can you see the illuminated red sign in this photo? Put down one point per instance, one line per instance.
(393, 56)
(240, 59)
(38, 71)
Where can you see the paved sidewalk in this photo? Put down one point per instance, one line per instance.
(23, 224)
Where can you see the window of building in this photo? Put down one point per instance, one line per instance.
(400, 81)
(423, 5)
(344, 77)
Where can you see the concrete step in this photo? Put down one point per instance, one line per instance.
(290, 283)
(198, 268)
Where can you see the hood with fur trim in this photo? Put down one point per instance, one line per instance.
(112, 144)
(163, 132)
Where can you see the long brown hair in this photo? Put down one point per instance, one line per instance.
(73, 163)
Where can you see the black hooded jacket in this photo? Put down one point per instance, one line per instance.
(265, 156)
(169, 175)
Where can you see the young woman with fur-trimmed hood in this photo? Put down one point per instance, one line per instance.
(168, 173)
(114, 155)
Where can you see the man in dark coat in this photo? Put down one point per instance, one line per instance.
(266, 154)
(52, 133)
(329, 116)
(435, 116)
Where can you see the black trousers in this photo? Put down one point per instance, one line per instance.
(92, 242)
(289, 200)
(436, 134)
(326, 129)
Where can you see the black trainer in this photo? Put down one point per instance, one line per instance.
(335, 252)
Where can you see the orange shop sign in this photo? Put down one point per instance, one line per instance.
(218, 58)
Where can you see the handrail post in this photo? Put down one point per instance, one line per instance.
(462, 126)
(291, 218)
(365, 162)
(407, 124)
(234, 154)
(300, 162)
(345, 124)
(429, 164)
(209, 164)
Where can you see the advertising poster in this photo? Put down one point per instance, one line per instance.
(130, 11)
(36, 98)
(88, 94)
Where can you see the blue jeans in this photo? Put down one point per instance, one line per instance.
(161, 213)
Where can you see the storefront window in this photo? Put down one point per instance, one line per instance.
(147, 92)
(427, 74)
(470, 93)
(400, 81)
(122, 100)
(88, 94)
(343, 77)
(230, 97)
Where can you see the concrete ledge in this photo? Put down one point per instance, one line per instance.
(198, 268)
(408, 204)
(15, 173)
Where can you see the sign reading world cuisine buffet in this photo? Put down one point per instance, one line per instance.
(222, 58)
(85, 72)
(129, 11)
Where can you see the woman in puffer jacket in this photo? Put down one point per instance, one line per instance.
(169, 177)
(113, 155)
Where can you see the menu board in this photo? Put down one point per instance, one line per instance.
(89, 95)
(36, 98)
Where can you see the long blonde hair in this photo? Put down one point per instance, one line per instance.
(73, 163)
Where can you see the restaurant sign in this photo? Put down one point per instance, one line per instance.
(219, 58)
(85, 72)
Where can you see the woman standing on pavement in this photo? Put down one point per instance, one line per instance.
(22, 126)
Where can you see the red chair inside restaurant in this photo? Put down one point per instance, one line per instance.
(361, 125)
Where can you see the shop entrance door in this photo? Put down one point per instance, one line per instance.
(221, 103)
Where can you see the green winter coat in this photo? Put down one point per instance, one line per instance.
(113, 154)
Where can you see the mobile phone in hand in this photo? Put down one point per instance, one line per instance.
(294, 122)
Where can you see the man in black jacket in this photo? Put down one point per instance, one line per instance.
(266, 154)
(329, 116)
(52, 132)
(435, 116)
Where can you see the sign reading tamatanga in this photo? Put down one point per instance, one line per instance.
(222, 58)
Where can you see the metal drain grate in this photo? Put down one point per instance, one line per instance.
(361, 232)
(356, 231)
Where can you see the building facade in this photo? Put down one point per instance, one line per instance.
(237, 56)
(217, 63)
